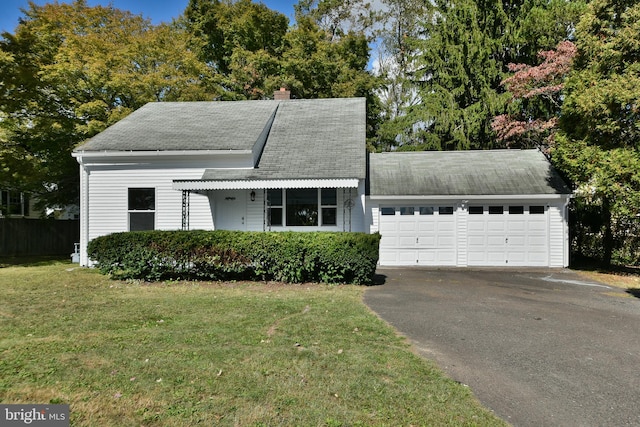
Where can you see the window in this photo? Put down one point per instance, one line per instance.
(496, 210)
(426, 210)
(274, 207)
(302, 207)
(476, 210)
(407, 210)
(329, 206)
(142, 207)
(14, 203)
(536, 210)
(516, 210)
(387, 211)
(445, 210)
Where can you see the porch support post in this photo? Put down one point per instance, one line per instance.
(346, 209)
(185, 209)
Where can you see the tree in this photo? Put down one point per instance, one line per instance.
(219, 28)
(311, 61)
(598, 145)
(71, 70)
(463, 50)
(536, 99)
(396, 64)
(339, 17)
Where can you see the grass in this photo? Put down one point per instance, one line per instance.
(245, 354)
(622, 278)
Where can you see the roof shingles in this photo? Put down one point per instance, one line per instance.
(308, 139)
(490, 172)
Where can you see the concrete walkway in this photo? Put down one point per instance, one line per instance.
(538, 347)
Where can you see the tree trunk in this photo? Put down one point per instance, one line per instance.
(607, 242)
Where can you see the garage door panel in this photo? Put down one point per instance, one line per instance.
(495, 225)
(476, 241)
(495, 257)
(407, 227)
(406, 241)
(426, 226)
(446, 241)
(517, 240)
(537, 226)
(516, 226)
(476, 226)
(436, 257)
(427, 242)
(495, 241)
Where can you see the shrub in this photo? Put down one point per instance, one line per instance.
(236, 255)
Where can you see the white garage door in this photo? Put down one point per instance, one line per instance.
(507, 235)
(417, 235)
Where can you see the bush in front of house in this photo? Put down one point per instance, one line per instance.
(293, 257)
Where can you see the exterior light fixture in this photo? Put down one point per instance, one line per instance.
(253, 196)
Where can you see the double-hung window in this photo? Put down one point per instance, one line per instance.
(274, 207)
(329, 206)
(142, 209)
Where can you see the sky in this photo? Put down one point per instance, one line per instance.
(156, 10)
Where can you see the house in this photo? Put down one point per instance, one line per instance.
(302, 165)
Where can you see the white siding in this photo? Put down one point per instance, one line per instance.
(105, 200)
(558, 232)
(462, 234)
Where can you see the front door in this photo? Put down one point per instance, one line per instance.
(230, 210)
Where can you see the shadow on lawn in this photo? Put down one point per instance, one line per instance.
(620, 270)
(634, 292)
(31, 261)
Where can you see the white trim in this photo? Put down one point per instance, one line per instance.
(265, 184)
(497, 197)
(157, 153)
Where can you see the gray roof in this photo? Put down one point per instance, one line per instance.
(490, 172)
(307, 139)
(167, 126)
(311, 139)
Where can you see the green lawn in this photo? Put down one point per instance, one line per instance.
(246, 354)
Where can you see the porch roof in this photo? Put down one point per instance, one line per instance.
(257, 184)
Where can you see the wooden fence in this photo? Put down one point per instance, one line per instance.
(35, 237)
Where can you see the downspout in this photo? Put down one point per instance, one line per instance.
(84, 214)
(566, 239)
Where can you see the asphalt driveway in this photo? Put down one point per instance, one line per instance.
(538, 347)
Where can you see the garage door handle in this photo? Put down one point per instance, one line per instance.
(506, 240)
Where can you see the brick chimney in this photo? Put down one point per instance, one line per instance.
(281, 95)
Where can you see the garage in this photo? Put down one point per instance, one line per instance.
(469, 208)
(417, 235)
(514, 234)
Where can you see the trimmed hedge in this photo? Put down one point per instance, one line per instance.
(238, 255)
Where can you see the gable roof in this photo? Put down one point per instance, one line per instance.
(167, 126)
(464, 173)
(311, 139)
(305, 139)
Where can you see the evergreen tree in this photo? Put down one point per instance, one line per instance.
(598, 146)
(463, 52)
(396, 63)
